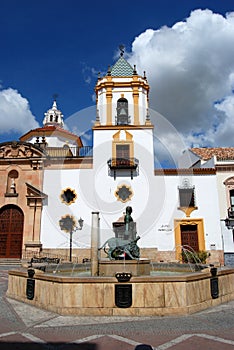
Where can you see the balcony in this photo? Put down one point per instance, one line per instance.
(121, 164)
(69, 152)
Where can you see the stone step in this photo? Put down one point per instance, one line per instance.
(8, 261)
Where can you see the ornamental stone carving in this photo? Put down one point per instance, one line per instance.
(18, 150)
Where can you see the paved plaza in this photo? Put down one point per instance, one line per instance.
(25, 327)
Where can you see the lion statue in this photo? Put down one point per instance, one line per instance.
(114, 247)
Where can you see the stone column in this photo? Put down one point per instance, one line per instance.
(94, 244)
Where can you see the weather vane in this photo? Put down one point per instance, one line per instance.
(121, 47)
(55, 96)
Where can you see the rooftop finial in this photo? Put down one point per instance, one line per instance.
(55, 96)
(134, 70)
(55, 101)
(121, 48)
(109, 70)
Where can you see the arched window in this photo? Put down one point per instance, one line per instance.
(122, 111)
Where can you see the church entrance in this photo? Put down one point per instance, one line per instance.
(189, 232)
(189, 236)
(11, 231)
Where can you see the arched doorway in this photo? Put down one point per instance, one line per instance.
(11, 231)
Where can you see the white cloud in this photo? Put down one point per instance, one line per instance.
(15, 114)
(190, 67)
(224, 133)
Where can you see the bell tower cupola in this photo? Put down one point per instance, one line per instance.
(122, 96)
(53, 116)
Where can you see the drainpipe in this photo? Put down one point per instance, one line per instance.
(94, 244)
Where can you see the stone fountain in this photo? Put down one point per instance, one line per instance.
(121, 284)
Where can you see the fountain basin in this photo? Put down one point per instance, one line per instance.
(95, 296)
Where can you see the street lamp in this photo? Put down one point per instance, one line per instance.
(67, 223)
(229, 223)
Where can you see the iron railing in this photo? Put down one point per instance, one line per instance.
(67, 152)
(28, 255)
(123, 163)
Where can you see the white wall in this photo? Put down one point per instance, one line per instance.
(154, 203)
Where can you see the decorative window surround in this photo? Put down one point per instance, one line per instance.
(68, 196)
(124, 193)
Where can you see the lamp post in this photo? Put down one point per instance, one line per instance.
(229, 223)
(68, 223)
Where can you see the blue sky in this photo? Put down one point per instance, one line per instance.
(50, 47)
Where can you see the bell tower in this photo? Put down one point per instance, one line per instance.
(122, 96)
(122, 131)
(53, 116)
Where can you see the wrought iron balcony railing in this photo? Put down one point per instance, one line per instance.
(123, 163)
(116, 164)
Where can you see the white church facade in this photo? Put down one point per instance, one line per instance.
(49, 174)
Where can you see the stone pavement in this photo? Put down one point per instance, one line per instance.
(25, 327)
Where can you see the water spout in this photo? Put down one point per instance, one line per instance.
(189, 253)
(57, 268)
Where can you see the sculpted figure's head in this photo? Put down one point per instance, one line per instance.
(128, 210)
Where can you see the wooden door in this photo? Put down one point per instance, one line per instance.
(189, 236)
(11, 232)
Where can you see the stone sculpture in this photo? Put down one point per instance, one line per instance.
(115, 247)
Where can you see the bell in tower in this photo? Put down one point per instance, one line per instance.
(122, 111)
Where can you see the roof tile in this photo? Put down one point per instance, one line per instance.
(221, 153)
(122, 68)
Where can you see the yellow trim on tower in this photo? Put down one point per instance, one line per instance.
(200, 233)
(109, 85)
(135, 94)
(124, 84)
